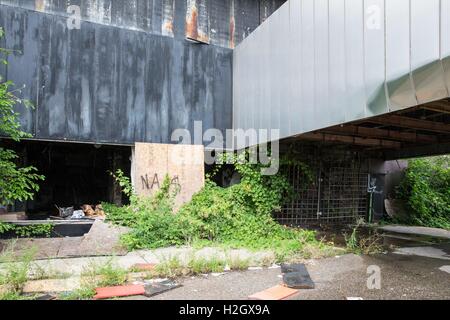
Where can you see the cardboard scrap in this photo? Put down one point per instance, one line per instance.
(154, 289)
(275, 293)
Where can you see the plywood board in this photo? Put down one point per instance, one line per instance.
(183, 164)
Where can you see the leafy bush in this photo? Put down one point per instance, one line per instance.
(426, 189)
(39, 230)
(239, 216)
(15, 183)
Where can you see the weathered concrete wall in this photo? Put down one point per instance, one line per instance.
(107, 85)
(183, 164)
(219, 22)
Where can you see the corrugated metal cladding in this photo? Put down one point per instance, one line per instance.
(105, 84)
(317, 63)
(218, 22)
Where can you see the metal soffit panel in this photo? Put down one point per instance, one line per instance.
(318, 63)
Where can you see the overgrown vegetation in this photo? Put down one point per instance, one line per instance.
(95, 276)
(31, 231)
(16, 183)
(426, 190)
(14, 273)
(173, 267)
(363, 243)
(238, 216)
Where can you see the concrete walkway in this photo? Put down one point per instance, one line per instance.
(103, 239)
(76, 266)
(417, 231)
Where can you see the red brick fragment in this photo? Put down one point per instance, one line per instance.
(120, 291)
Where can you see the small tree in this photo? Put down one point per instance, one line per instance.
(15, 183)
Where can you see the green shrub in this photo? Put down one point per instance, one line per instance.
(426, 189)
(238, 216)
(15, 272)
(39, 230)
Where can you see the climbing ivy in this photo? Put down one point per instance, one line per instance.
(426, 189)
(238, 216)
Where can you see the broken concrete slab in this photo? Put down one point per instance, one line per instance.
(418, 231)
(156, 288)
(445, 269)
(427, 252)
(70, 247)
(275, 293)
(41, 248)
(102, 240)
(119, 291)
(298, 280)
(296, 276)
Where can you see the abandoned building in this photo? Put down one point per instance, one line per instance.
(354, 86)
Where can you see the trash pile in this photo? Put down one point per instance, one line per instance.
(87, 212)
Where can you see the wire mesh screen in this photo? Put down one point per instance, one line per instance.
(337, 193)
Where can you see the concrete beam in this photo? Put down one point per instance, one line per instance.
(382, 134)
(415, 152)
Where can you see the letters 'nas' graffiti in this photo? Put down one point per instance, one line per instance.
(150, 184)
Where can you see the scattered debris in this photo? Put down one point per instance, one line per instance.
(88, 210)
(296, 276)
(77, 215)
(119, 291)
(157, 288)
(275, 293)
(103, 239)
(99, 212)
(45, 297)
(65, 213)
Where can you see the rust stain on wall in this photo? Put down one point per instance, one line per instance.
(197, 26)
(168, 17)
(232, 26)
(192, 20)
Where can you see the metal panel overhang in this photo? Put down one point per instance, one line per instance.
(319, 63)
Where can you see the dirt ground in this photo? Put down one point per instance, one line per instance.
(405, 277)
